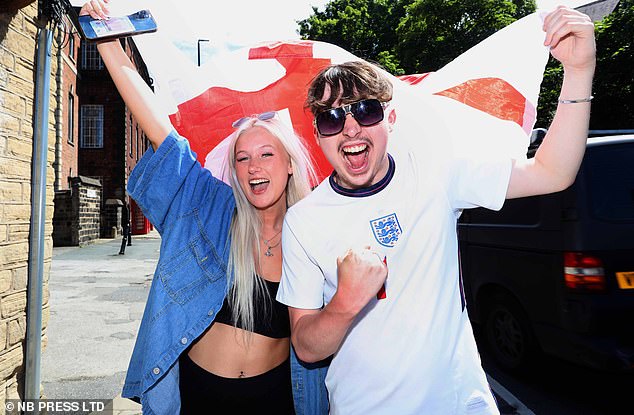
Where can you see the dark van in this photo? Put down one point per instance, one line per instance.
(555, 273)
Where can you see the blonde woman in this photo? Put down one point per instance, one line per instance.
(212, 334)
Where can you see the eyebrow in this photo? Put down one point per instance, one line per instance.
(264, 146)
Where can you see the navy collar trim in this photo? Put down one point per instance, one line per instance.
(365, 191)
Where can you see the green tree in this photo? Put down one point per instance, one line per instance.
(613, 106)
(413, 36)
(362, 27)
(549, 93)
(434, 32)
(409, 36)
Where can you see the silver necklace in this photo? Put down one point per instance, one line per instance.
(268, 246)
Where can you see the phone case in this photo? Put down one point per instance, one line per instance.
(95, 30)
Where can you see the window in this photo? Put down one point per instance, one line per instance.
(92, 126)
(90, 57)
(71, 117)
(137, 142)
(131, 137)
(71, 45)
(610, 181)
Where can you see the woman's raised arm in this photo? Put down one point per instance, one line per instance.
(135, 92)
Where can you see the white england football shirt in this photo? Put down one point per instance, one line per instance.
(412, 352)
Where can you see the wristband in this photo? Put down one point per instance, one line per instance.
(575, 101)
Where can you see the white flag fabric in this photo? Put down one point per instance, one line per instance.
(487, 97)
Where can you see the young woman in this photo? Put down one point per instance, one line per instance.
(212, 334)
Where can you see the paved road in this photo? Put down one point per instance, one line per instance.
(96, 300)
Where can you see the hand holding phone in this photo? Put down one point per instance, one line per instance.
(94, 25)
(96, 30)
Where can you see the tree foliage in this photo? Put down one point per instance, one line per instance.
(613, 106)
(434, 32)
(414, 36)
(614, 79)
(362, 27)
(410, 36)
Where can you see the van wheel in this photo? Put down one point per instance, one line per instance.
(508, 334)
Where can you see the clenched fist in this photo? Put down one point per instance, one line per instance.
(361, 273)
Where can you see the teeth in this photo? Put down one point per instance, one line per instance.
(258, 181)
(355, 149)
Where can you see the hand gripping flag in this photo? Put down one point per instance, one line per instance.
(486, 98)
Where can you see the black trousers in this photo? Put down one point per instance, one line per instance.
(126, 240)
(203, 392)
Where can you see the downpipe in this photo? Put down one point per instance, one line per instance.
(33, 352)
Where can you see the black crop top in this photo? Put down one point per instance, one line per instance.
(276, 326)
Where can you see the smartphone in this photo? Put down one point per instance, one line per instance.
(95, 30)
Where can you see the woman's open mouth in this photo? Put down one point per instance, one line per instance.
(259, 185)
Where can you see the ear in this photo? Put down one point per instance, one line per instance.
(391, 119)
(290, 168)
(316, 135)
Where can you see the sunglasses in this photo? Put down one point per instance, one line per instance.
(265, 116)
(366, 112)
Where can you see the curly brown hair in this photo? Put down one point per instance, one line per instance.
(354, 81)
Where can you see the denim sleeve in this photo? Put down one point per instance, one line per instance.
(169, 183)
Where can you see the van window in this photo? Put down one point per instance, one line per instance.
(610, 173)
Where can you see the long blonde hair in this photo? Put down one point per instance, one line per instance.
(246, 225)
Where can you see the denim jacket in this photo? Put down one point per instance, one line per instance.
(192, 211)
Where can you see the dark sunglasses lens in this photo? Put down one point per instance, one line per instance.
(330, 122)
(368, 112)
(237, 123)
(265, 116)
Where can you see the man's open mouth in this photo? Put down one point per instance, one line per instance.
(356, 156)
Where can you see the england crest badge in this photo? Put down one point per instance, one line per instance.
(386, 230)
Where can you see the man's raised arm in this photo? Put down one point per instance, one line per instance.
(570, 35)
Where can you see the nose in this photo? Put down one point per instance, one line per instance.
(351, 127)
(254, 166)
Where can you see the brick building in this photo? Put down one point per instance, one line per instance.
(90, 137)
(101, 148)
(17, 91)
(111, 142)
(66, 111)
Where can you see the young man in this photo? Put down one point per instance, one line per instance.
(402, 343)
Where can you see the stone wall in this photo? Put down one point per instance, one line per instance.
(76, 221)
(87, 202)
(111, 219)
(17, 92)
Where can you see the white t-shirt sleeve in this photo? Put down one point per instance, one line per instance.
(477, 182)
(302, 283)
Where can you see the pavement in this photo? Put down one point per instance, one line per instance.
(97, 298)
(96, 302)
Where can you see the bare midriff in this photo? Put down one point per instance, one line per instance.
(231, 352)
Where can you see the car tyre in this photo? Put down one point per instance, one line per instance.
(508, 334)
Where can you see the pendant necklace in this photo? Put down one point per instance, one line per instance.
(269, 246)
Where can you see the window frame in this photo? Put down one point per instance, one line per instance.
(90, 57)
(86, 126)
